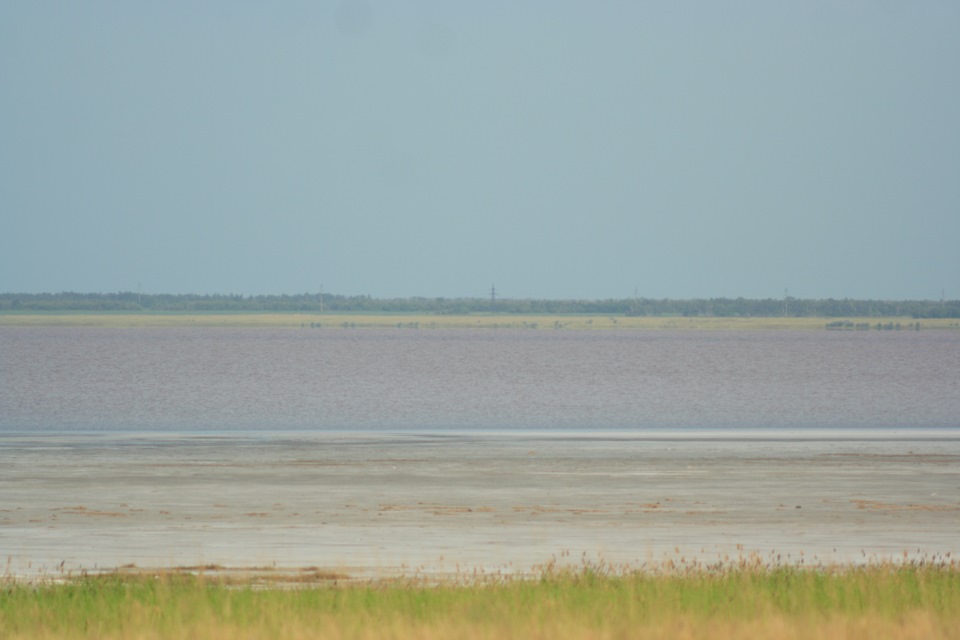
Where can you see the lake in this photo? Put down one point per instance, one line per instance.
(213, 379)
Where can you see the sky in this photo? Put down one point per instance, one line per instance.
(553, 149)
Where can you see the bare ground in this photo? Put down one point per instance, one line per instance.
(388, 504)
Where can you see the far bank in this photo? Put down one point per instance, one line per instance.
(414, 321)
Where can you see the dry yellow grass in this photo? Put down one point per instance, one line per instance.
(914, 626)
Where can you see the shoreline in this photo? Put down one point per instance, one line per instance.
(675, 566)
(331, 321)
(417, 435)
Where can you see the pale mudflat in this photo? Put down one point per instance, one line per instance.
(379, 504)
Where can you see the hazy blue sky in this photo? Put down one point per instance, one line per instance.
(428, 147)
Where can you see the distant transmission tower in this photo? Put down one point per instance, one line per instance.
(493, 297)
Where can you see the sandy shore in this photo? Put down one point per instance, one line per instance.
(381, 504)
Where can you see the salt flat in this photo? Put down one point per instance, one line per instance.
(371, 504)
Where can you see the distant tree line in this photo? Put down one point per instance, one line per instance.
(326, 302)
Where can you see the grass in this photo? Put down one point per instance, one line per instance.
(744, 600)
(425, 321)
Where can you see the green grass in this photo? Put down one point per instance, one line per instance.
(893, 601)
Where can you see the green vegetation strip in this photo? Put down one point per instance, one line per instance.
(895, 601)
(135, 302)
